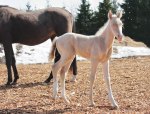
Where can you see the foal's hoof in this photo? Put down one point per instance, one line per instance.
(115, 107)
(8, 84)
(73, 78)
(67, 101)
(54, 97)
(92, 104)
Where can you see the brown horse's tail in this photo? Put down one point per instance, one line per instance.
(51, 55)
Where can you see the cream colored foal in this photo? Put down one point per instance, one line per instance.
(96, 48)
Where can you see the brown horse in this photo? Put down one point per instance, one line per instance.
(31, 28)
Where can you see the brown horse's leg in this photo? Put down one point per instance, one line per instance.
(8, 57)
(74, 66)
(57, 57)
(16, 76)
(60, 31)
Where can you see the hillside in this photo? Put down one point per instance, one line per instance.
(39, 53)
(127, 41)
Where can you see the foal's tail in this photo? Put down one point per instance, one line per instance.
(51, 56)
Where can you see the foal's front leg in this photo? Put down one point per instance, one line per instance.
(107, 80)
(94, 65)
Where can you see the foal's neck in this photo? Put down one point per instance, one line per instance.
(108, 36)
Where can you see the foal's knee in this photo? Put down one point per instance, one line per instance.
(54, 70)
(62, 71)
(55, 67)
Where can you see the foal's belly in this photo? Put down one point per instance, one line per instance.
(83, 54)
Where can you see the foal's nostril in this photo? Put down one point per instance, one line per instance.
(118, 36)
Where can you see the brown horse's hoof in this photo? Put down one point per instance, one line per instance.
(46, 82)
(14, 83)
(8, 84)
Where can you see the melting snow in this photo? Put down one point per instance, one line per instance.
(40, 53)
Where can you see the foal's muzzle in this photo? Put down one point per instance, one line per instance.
(120, 37)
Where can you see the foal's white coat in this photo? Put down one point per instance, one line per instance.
(96, 48)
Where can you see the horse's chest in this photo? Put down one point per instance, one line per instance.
(105, 56)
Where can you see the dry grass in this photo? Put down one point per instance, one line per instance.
(130, 79)
(127, 41)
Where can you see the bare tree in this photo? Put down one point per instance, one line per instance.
(48, 3)
(28, 5)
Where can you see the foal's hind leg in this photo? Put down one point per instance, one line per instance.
(55, 68)
(73, 65)
(63, 73)
(57, 57)
(107, 80)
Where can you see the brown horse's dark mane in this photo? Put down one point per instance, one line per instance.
(3, 6)
(12, 10)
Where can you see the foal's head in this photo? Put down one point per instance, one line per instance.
(116, 24)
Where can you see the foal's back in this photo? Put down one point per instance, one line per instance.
(76, 44)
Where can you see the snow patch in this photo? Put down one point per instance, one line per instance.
(40, 53)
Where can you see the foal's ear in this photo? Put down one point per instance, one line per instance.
(119, 14)
(110, 14)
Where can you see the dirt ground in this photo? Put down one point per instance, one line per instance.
(130, 79)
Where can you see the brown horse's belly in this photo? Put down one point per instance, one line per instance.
(31, 42)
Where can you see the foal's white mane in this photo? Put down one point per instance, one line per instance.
(99, 32)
